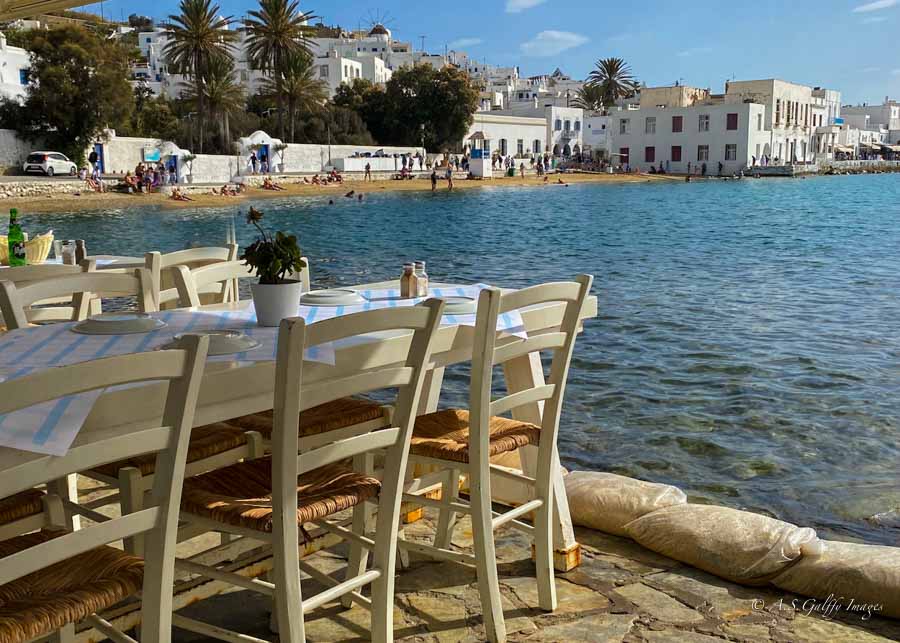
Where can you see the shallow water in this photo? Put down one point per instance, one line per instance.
(747, 348)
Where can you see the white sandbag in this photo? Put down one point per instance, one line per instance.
(736, 545)
(859, 577)
(607, 502)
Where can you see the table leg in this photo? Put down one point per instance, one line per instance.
(523, 373)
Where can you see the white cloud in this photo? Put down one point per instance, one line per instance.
(551, 43)
(459, 43)
(515, 6)
(877, 5)
(694, 51)
(873, 19)
(895, 72)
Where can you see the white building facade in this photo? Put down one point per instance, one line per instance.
(14, 65)
(689, 139)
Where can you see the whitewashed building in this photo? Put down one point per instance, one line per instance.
(596, 135)
(14, 65)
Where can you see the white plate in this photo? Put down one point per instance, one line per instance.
(221, 342)
(118, 324)
(459, 305)
(335, 297)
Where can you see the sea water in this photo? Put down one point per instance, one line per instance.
(748, 345)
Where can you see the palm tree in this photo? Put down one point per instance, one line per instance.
(275, 32)
(590, 97)
(614, 78)
(217, 88)
(195, 37)
(298, 86)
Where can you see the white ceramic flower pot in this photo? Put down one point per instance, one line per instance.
(274, 302)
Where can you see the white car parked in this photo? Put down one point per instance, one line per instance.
(49, 163)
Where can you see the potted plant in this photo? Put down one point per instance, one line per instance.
(189, 159)
(280, 148)
(274, 258)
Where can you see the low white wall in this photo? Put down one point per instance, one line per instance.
(214, 168)
(123, 153)
(13, 149)
(378, 164)
(314, 158)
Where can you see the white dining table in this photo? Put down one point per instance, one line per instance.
(233, 389)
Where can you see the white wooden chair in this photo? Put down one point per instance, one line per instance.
(161, 267)
(193, 284)
(271, 498)
(463, 441)
(58, 308)
(16, 302)
(52, 579)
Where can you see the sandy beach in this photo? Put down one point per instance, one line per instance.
(96, 201)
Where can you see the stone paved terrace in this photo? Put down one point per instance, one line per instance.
(621, 592)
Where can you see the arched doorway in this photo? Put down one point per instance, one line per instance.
(556, 150)
(576, 150)
(567, 151)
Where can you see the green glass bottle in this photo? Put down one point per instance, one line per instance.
(16, 240)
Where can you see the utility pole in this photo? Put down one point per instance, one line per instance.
(423, 43)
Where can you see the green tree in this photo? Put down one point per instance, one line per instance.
(590, 97)
(77, 86)
(298, 87)
(339, 125)
(614, 78)
(197, 36)
(418, 103)
(217, 89)
(276, 33)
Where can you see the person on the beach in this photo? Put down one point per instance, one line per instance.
(253, 161)
(433, 180)
(350, 194)
(522, 170)
(368, 175)
(449, 178)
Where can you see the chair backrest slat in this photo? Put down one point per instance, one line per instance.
(182, 369)
(347, 448)
(521, 398)
(322, 392)
(489, 352)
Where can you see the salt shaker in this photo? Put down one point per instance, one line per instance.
(421, 279)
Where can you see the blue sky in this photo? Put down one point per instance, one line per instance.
(848, 45)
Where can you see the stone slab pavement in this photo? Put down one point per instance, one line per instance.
(621, 592)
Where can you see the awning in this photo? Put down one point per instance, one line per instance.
(871, 146)
(892, 148)
(843, 148)
(477, 136)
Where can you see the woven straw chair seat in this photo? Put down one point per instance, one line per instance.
(206, 441)
(22, 505)
(445, 435)
(241, 494)
(66, 592)
(330, 416)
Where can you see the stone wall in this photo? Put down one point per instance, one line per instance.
(314, 158)
(123, 153)
(40, 188)
(213, 168)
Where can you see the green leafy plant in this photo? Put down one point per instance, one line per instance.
(272, 257)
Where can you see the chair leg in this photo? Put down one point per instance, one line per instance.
(131, 499)
(362, 524)
(543, 552)
(285, 574)
(486, 559)
(67, 489)
(447, 517)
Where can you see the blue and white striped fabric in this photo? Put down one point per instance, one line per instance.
(52, 427)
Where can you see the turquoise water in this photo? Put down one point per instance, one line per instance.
(748, 344)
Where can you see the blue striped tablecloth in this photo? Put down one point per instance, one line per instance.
(52, 427)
